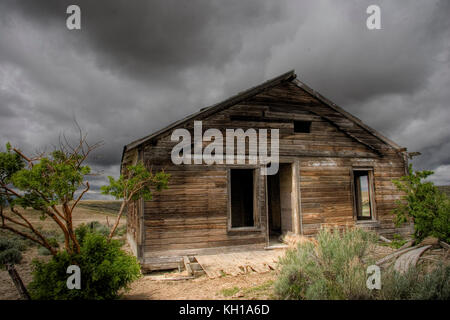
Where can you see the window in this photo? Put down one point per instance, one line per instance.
(302, 126)
(362, 182)
(242, 191)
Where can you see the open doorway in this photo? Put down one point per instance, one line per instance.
(279, 194)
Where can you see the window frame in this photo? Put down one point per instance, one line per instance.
(256, 185)
(371, 190)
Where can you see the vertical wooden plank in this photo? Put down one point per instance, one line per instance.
(296, 205)
(141, 211)
(286, 197)
(372, 194)
(228, 198)
(266, 200)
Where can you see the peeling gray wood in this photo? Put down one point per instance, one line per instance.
(409, 259)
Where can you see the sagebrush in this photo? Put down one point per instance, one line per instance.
(335, 267)
(332, 268)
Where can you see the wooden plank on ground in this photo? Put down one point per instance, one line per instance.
(187, 265)
(409, 259)
(394, 255)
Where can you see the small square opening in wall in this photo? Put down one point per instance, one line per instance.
(302, 126)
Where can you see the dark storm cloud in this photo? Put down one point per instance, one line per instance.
(136, 66)
(155, 39)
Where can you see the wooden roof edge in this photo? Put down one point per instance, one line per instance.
(348, 115)
(288, 76)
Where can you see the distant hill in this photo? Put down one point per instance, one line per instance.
(106, 206)
(445, 189)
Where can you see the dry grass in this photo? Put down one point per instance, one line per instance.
(85, 212)
(292, 239)
(103, 206)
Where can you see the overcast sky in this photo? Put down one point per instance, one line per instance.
(136, 66)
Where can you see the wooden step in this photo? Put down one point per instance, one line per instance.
(192, 266)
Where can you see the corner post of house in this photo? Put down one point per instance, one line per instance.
(141, 212)
(296, 199)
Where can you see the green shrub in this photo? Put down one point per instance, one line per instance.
(425, 204)
(54, 238)
(120, 231)
(44, 251)
(332, 269)
(10, 251)
(434, 286)
(416, 285)
(11, 255)
(6, 243)
(91, 227)
(396, 243)
(9, 239)
(105, 270)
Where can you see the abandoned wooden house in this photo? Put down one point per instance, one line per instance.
(333, 171)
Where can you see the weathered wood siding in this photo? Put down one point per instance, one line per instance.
(327, 197)
(192, 213)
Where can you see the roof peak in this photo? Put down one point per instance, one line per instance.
(289, 76)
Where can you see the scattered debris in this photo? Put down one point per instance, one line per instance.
(408, 256)
(169, 277)
(408, 244)
(444, 245)
(432, 241)
(409, 259)
(384, 239)
(236, 263)
(238, 295)
(394, 255)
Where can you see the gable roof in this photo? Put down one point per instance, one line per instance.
(285, 77)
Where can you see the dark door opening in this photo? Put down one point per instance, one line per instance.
(273, 190)
(279, 194)
(242, 191)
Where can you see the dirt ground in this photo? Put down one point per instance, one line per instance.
(249, 286)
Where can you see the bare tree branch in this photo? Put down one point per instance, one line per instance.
(80, 196)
